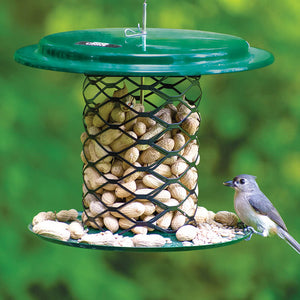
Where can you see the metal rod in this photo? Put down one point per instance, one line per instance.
(144, 26)
(144, 31)
(142, 91)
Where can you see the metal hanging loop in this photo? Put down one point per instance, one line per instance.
(140, 31)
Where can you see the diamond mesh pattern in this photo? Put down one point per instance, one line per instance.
(140, 152)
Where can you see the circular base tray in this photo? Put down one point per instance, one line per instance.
(174, 245)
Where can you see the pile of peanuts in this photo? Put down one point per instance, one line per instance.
(210, 228)
(130, 179)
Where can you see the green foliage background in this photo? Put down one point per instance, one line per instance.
(250, 125)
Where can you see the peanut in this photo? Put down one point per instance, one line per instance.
(131, 116)
(149, 208)
(179, 142)
(97, 208)
(43, 216)
(131, 210)
(190, 125)
(165, 114)
(98, 152)
(88, 198)
(124, 141)
(99, 239)
(154, 131)
(109, 186)
(88, 119)
(173, 108)
(117, 168)
(103, 167)
(163, 170)
(226, 218)
(140, 185)
(184, 107)
(131, 155)
(170, 160)
(120, 93)
(92, 178)
(139, 230)
(210, 217)
(179, 167)
(201, 215)
(152, 181)
(111, 223)
(76, 230)
(126, 242)
(186, 233)
(147, 121)
(117, 115)
(108, 198)
(125, 189)
(103, 113)
(188, 206)
(165, 220)
(97, 223)
(173, 203)
(151, 155)
(83, 158)
(178, 220)
(109, 135)
(148, 219)
(83, 137)
(148, 240)
(125, 223)
(67, 215)
(191, 152)
(139, 128)
(143, 195)
(93, 130)
(131, 173)
(52, 229)
(189, 179)
(177, 191)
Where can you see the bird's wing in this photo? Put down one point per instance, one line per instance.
(262, 205)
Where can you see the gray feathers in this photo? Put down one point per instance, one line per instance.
(262, 205)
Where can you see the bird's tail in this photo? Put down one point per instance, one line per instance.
(289, 239)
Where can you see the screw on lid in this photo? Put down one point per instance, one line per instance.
(170, 52)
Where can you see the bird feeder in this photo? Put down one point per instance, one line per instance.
(141, 118)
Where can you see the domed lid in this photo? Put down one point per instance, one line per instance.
(161, 52)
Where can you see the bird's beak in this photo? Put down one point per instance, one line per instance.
(229, 183)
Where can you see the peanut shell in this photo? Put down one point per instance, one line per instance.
(186, 233)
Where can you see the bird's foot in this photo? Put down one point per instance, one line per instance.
(252, 230)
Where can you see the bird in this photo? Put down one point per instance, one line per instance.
(255, 210)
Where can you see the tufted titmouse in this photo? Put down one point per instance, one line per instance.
(255, 209)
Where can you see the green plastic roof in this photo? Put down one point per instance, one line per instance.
(162, 52)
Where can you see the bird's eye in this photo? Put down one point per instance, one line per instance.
(242, 181)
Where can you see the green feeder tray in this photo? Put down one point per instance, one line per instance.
(174, 244)
(119, 52)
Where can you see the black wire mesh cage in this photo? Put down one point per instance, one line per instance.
(140, 152)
